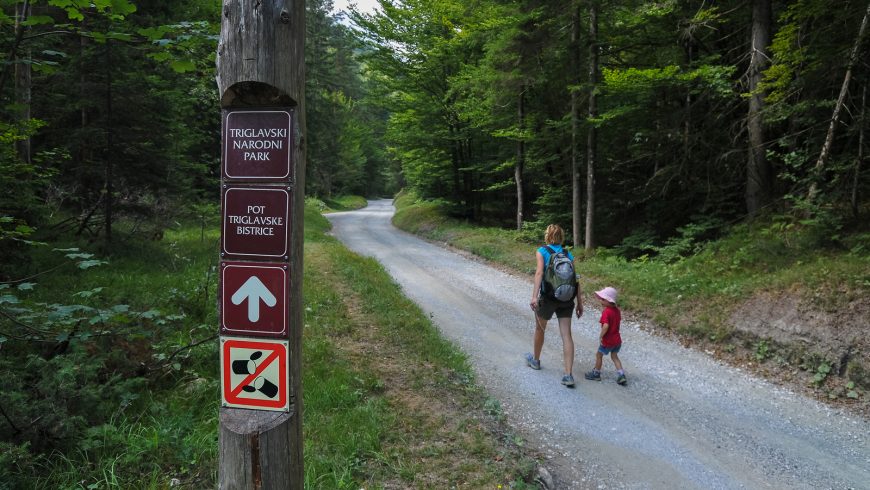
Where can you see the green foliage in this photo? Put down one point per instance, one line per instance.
(108, 367)
(474, 94)
(851, 393)
(822, 372)
(100, 155)
(762, 351)
(76, 9)
(19, 205)
(690, 240)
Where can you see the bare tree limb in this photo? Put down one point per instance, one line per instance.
(835, 118)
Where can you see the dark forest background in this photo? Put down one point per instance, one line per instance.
(626, 121)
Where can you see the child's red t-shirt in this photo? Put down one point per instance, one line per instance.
(612, 317)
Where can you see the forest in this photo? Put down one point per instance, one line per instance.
(643, 127)
(629, 122)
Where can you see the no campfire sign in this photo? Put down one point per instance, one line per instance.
(254, 298)
(254, 374)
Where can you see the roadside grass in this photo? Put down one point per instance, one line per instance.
(346, 203)
(411, 415)
(692, 294)
(428, 219)
(337, 203)
(387, 402)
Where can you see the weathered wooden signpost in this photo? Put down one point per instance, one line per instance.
(260, 76)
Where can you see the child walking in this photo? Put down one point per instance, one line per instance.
(609, 339)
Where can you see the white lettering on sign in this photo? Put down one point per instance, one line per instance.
(250, 230)
(258, 144)
(256, 220)
(257, 156)
(258, 133)
(257, 225)
(257, 139)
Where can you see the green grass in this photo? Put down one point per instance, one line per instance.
(428, 219)
(339, 203)
(122, 428)
(355, 434)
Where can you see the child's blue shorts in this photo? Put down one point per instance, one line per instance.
(608, 350)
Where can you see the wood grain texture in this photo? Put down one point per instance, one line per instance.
(261, 42)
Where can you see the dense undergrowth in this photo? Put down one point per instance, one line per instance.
(691, 286)
(110, 367)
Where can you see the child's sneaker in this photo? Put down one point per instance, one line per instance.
(532, 362)
(593, 375)
(568, 380)
(621, 380)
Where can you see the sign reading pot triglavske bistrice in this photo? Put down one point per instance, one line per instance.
(255, 222)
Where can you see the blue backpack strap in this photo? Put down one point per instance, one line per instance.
(551, 251)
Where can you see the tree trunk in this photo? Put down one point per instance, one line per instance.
(454, 160)
(521, 156)
(261, 64)
(687, 108)
(16, 43)
(576, 194)
(835, 119)
(860, 158)
(592, 137)
(23, 81)
(110, 150)
(758, 174)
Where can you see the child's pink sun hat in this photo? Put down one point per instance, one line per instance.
(607, 294)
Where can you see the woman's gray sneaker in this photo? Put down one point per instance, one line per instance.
(532, 362)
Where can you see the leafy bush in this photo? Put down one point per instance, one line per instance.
(80, 366)
(690, 239)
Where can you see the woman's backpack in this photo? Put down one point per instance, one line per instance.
(560, 280)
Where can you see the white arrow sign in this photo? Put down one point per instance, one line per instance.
(254, 290)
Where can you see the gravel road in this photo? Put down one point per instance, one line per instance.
(685, 420)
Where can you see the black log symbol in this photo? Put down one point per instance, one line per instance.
(260, 384)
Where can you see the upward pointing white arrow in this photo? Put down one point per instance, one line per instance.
(254, 290)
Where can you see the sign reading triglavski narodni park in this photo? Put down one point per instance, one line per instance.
(255, 221)
(257, 145)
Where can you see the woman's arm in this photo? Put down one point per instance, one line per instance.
(539, 276)
(578, 308)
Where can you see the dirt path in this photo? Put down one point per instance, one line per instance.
(684, 421)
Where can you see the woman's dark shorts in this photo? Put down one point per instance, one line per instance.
(546, 308)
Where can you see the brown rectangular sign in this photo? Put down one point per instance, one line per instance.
(258, 144)
(255, 221)
(254, 298)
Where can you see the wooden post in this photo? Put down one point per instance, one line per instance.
(260, 64)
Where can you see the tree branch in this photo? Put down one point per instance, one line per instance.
(182, 349)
